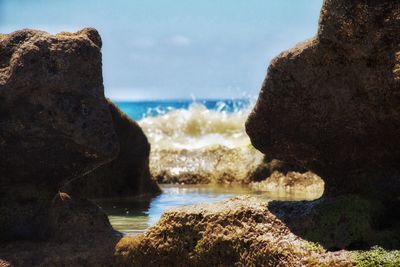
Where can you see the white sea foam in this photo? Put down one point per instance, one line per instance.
(201, 145)
(197, 127)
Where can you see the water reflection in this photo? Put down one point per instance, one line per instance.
(135, 215)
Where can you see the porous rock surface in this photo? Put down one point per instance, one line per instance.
(237, 232)
(215, 164)
(80, 235)
(128, 174)
(55, 124)
(331, 104)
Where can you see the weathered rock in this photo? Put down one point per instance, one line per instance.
(77, 219)
(305, 185)
(237, 232)
(54, 120)
(214, 164)
(128, 174)
(342, 222)
(331, 104)
(80, 235)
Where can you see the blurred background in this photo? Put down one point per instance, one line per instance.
(160, 49)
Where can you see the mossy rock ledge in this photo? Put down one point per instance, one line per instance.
(237, 232)
(331, 105)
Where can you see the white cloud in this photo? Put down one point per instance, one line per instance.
(179, 40)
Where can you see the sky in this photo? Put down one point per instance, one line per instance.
(176, 49)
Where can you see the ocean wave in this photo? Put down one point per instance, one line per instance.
(201, 144)
(207, 143)
(197, 127)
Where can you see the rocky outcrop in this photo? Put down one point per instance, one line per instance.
(298, 185)
(214, 164)
(348, 222)
(80, 235)
(237, 232)
(55, 124)
(128, 174)
(331, 104)
(248, 231)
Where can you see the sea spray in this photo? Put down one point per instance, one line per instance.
(202, 143)
(197, 127)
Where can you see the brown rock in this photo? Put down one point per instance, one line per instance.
(128, 174)
(54, 120)
(77, 219)
(331, 104)
(237, 232)
(214, 164)
(55, 123)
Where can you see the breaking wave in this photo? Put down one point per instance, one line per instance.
(201, 143)
(197, 127)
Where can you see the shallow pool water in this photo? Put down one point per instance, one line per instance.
(134, 215)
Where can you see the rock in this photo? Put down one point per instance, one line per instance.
(80, 235)
(331, 104)
(214, 164)
(55, 123)
(128, 174)
(4, 263)
(303, 185)
(77, 219)
(237, 232)
(342, 222)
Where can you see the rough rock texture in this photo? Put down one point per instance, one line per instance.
(54, 120)
(215, 164)
(342, 222)
(292, 183)
(81, 235)
(238, 232)
(331, 104)
(77, 219)
(128, 174)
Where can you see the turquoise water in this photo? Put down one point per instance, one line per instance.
(139, 109)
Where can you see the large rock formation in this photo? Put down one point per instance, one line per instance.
(128, 174)
(81, 236)
(55, 124)
(237, 232)
(214, 164)
(331, 104)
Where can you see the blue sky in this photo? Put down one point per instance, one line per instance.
(170, 49)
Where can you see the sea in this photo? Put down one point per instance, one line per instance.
(201, 149)
(191, 124)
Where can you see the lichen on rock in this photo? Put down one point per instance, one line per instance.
(237, 232)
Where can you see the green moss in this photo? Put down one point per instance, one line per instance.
(376, 257)
(250, 146)
(344, 220)
(314, 247)
(198, 249)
